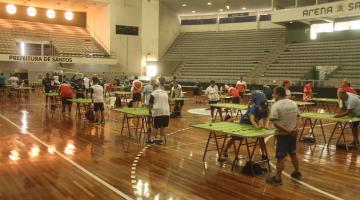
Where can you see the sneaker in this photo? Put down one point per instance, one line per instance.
(296, 175)
(149, 142)
(225, 154)
(273, 181)
(160, 142)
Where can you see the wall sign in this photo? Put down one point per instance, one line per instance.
(47, 59)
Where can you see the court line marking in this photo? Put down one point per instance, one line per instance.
(85, 171)
(136, 161)
(302, 182)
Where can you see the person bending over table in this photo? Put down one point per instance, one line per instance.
(350, 106)
(66, 94)
(284, 115)
(97, 95)
(212, 92)
(160, 111)
(176, 92)
(257, 115)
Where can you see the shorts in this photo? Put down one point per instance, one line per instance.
(80, 95)
(286, 144)
(99, 106)
(136, 97)
(179, 102)
(213, 102)
(235, 100)
(161, 121)
(64, 100)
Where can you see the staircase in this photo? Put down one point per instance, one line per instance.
(259, 70)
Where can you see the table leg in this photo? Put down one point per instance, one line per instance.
(251, 155)
(342, 134)
(123, 123)
(322, 130)
(332, 134)
(222, 148)
(207, 144)
(237, 150)
(303, 129)
(264, 151)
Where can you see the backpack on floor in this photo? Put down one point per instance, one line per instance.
(258, 170)
(90, 115)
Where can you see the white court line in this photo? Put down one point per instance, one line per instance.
(303, 183)
(112, 188)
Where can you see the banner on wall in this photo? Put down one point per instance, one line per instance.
(336, 9)
(56, 59)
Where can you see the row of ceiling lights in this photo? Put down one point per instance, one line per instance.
(227, 6)
(32, 12)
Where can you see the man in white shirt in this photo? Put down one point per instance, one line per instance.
(160, 111)
(350, 107)
(212, 92)
(13, 81)
(284, 115)
(97, 95)
(87, 85)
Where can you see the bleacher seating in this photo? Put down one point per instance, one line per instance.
(300, 59)
(67, 40)
(225, 55)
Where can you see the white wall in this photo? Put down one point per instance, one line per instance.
(150, 30)
(95, 19)
(169, 28)
(231, 26)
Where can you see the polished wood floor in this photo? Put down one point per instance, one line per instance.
(45, 155)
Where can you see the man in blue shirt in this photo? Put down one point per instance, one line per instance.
(2, 80)
(257, 115)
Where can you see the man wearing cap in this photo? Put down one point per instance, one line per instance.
(160, 111)
(350, 107)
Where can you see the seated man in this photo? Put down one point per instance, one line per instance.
(257, 115)
(351, 107)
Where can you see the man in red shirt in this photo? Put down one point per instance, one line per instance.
(234, 95)
(66, 94)
(308, 91)
(241, 87)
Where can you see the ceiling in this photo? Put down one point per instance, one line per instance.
(202, 7)
(74, 5)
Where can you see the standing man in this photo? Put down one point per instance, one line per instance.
(87, 86)
(176, 92)
(97, 95)
(160, 111)
(241, 87)
(284, 115)
(46, 82)
(136, 89)
(351, 107)
(308, 91)
(66, 94)
(148, 89)
(13, 81)
(212, 92)
(2, 83)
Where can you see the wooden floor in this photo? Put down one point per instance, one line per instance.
(59, 156)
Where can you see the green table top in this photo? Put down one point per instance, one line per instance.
(328, 116)
(299, 103)
(134, 111)
(24, 88)
(80, 100)
(236, 129)
(230, 106)
(326, 100)
(52, 94)
(122, 93)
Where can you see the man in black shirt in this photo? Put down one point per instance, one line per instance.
(47, 87)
